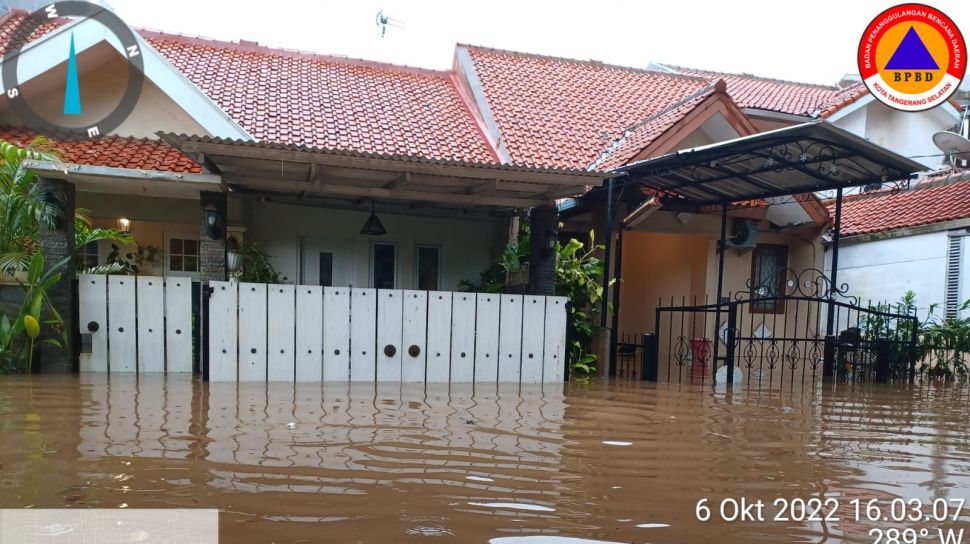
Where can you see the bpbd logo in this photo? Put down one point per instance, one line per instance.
(912, 57)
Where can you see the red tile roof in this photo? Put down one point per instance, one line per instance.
(791, 97)
(941, 198)
(115, 151)
(10, 21)
(330, 102)
(559, 112)
(634, 139)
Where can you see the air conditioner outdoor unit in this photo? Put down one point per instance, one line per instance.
(744, 233)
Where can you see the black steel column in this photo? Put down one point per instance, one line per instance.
(722, 247)
(828, 358)
(608, 251)
(618, 276)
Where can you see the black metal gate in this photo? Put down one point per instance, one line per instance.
(797, 333)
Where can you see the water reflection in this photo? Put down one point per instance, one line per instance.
(615, 463)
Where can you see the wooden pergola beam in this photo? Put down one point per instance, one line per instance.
(357, 191)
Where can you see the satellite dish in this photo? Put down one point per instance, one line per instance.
(954, 145)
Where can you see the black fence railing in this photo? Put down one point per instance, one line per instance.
(773, 341)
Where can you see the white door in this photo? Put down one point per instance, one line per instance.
(325, 262)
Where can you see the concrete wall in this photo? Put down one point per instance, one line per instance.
(657, 266)
(909, 134)
(684, 266)
(281, 230)
(883, 270)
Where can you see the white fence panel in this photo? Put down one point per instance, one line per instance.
(463, 338)
(363, 335)
(510, 339)
(413, 339)
(151, 323)
(223, 324)
(533, 327)
(486, 338)
(178, 325)
(93, 300)
(260, 332)
(554, 350)
(389, 329)
(252, 332)
(309, 333)
(281, 333)
(439, 337)
(122, 356)
(336, 334)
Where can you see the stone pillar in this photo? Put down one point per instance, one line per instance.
(212, 241)
(544, 225)
(57, 244)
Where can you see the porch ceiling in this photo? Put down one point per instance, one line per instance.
(805, 158)
(304, 171)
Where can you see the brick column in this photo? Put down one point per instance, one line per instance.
(57, 244)
(212, 242)
(544, 225)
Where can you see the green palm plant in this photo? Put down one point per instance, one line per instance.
(24, 206)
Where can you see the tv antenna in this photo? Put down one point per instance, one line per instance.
(955, 146)
(383, 21)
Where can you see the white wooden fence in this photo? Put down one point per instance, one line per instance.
(136, 323)
(259, 332)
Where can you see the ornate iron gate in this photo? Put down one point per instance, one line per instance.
(790, 329)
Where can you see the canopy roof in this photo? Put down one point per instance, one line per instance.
(810, 157)
(267, 167)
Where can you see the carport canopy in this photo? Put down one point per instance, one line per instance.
(806, 158)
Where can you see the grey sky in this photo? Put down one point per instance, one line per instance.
(813, 41)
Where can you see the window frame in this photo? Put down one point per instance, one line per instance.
(417, 265)
(168, 255)
(397, 263)
(757, 306)
(84, 254)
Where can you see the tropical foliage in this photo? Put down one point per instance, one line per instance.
(942, 343)
(25, 207)
(20, 334)
(256, 266)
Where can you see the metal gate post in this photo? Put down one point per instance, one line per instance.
(828, 357)
(729, 340)
(205, 292)
(648, 357)
(912, 350)
(882, 360)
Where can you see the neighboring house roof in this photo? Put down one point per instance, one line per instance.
(944, 197)
(12, 19)
(777, 95)
(114, 151)
(556, 112)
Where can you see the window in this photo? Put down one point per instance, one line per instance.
(769, 264)
(384, 265)
(954, 259)
(429, 268)
(326, 269)
(183, 255)
(87, 256)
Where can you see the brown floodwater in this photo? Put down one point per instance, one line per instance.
(623, 462)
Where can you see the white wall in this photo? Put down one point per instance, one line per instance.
(906, 133)
(280, 229)
(883, 270)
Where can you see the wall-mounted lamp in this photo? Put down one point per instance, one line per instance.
(213, 222)
(234, 260)
(124, 224)
(551, 238)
